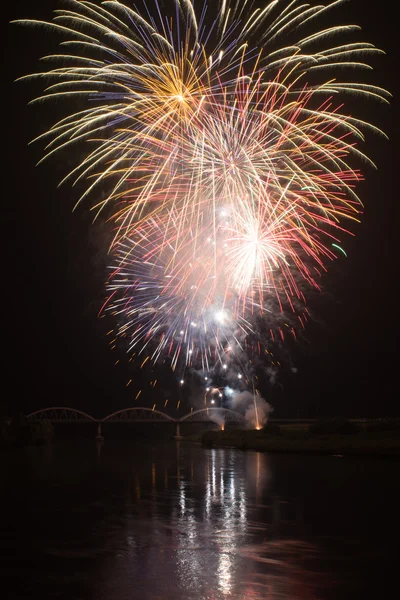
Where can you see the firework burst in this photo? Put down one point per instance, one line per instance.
(227, 158)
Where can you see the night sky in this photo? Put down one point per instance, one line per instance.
(55, 351)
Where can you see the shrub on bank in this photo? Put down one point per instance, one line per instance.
(379, 425)
(271, 429)
(333, 426)
(208, 438)
(238, 438)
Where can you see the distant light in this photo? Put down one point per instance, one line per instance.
(239, 376)
(182, 382)
(190, 351)
(220, 395)
(207, 389)
(212, 401)
(181, 332)
(193, 324)
(224, 367)
(205, 378)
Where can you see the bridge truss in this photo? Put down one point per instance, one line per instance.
(60, 414)
(137, 414)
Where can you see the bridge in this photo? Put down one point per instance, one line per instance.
(141, 414)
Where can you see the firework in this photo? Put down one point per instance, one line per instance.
(224, 157)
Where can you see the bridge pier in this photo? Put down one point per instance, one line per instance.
(177, 435)
(99, 436)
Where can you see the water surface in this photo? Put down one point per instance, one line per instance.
(174, 521)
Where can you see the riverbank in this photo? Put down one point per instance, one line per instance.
(18, 432)
(302, 441)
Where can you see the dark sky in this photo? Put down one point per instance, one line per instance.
(54, 348)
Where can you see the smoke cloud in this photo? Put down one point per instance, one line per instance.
(255, 408)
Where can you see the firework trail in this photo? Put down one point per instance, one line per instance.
(220, 144)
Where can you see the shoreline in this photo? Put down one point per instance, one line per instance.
(356, 445)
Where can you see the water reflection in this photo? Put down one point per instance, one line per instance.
(206, 529)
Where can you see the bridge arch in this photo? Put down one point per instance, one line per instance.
(225, 414)
(138, 413)
(60, 414)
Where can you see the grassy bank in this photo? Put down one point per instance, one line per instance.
(356, 441)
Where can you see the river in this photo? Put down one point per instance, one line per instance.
(175, 521)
